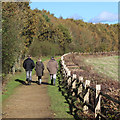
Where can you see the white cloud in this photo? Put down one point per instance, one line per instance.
(76, 17)
(105, 17)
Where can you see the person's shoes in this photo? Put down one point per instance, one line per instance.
(39, 82)
(51, 82)
(27, 79)
(29, 82)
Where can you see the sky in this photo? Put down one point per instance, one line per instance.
(95, 12)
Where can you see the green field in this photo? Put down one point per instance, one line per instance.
(105, 65)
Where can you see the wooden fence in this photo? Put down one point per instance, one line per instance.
(75, 86)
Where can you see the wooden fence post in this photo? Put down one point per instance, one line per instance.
(98, 107)
(80, 87)
(74, 83)
(69, 78)
(65, 70)
(86, 97)
(63, 63)
(68, 73)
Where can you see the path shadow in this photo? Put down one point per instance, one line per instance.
(34, 82)
(21, 81)
(24, 83)
(45, 83)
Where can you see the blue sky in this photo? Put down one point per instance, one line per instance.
(95, 12)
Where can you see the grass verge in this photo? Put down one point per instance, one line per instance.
(58, 102)
(12, 84)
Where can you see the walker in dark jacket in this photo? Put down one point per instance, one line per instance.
(39, 70)
(28, 65)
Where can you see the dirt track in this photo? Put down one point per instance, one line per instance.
(29, 101)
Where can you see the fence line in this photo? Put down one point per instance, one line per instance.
(82, 90)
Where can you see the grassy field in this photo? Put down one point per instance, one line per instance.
(105, 65)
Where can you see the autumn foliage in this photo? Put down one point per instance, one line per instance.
(40, 33)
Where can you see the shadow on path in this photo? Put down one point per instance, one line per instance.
(24, 83)
(21, 81)
(45, 83)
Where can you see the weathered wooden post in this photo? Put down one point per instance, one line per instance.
(63, 62)
(80, 87)
(98, 107)
(64, 72)
(67, 70)
(63, 68)
(86, 97)
(69, 78)
(74, 83)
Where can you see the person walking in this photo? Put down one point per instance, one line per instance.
(28, 65)
(39, 70)
(52, 67)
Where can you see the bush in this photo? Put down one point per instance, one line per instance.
(44, 48)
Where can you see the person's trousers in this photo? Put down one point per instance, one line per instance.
(39, 79)
(29, 75)
(53, 78)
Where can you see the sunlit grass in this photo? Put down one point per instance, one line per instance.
(12, 84)
(58, 102)
(105, 65)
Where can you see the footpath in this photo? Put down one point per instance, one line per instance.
(29, 101)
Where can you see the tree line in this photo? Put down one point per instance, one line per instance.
(40, 33)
